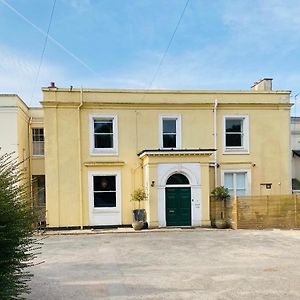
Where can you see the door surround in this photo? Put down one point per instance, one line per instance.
(193, 172)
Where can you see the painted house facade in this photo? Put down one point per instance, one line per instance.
(100, 145)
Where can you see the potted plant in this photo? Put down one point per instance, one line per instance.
(221, 194)
(139, 214)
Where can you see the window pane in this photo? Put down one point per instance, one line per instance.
(169, 126)
(241, 192)
(104, 141)
(104, 183)
(231, 192)
(240, 180)
(103, 126)
(105, 199)
(37, 134)
(228, 180)
(178, 179)
(233, 140)
(37, 148)
(234, 125)
(169, 140)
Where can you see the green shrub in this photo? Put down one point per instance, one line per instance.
(17, 243)
(138, 195)
(221, 193)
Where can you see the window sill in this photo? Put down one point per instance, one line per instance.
(174, 148)
(106, 210)
(104, 153)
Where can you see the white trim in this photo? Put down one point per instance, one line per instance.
(177, 185)
(177, 117)
(248, 177)
(193, 172)
(244, 149)
(8, 109)
(104, 215)
(104, 151)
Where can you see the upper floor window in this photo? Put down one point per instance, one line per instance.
(103, 131)
(170, 135)
(236, 137)
(38, 141)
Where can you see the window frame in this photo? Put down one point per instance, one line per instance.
(236, 171)
(244, 149)
(32, 142)
(117, 208)
(176, 117)
(104, 151)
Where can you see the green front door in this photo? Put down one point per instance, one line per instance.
(178, 206)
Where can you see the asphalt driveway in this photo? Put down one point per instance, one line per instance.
(191, 264)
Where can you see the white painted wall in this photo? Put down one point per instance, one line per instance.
(295, 133)
(8, 130)
(296, 167)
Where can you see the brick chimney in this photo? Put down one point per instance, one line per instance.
(262, 85)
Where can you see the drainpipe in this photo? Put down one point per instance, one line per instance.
(215, 142)
(79, 159)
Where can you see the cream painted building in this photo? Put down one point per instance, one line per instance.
(20, 126)
(100, 145)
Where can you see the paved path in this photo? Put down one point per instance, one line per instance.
(190, 264)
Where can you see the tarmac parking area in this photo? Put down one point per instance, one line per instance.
(187, 264)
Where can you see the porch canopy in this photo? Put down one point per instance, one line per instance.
(159, 165)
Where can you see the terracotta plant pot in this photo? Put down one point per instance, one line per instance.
(221, 223)
(138, 225)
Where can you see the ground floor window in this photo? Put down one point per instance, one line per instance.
(39, 197)
(104, 197)
(105, 193)
(236, 182)
(38, 189)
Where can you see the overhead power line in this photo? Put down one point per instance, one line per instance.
(53, 40)
(169, 45)
(43, 51)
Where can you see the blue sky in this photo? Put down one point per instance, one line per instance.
(221, 44)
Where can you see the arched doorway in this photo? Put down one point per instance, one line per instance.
(178, 201)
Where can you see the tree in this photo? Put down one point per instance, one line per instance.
(17, 243)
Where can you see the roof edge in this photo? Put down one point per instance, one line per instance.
(145, 91)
